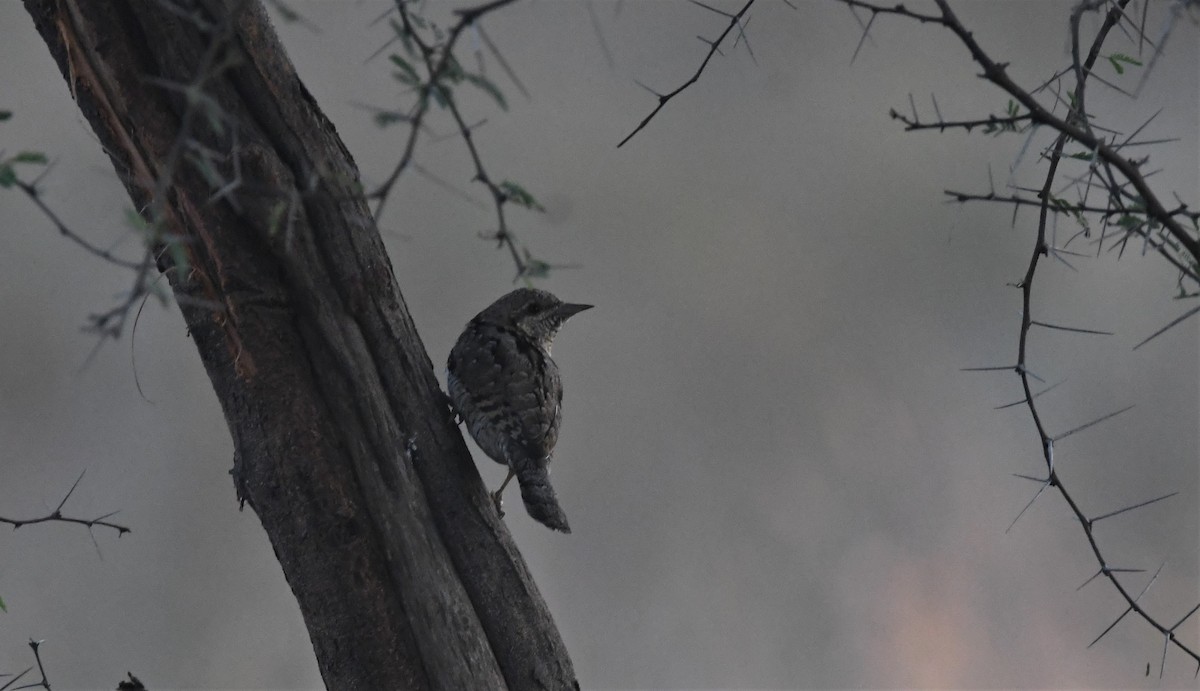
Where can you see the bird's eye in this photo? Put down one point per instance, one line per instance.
(531, 308)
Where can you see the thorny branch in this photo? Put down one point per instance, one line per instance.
(161, 248)
(44, 682)
(735, 20)
(1073, 126)
(57, 516)
(106, 324)
(1132, 205)
(441, 66)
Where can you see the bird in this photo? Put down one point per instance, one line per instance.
(504, 385)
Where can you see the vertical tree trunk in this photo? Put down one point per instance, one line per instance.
(344, 446)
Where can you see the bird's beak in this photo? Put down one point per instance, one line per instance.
(568, 310)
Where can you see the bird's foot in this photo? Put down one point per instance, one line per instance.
(455, 416)
(499, 502)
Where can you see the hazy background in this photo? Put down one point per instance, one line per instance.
(776, 473)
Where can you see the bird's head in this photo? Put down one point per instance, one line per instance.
(534, 313)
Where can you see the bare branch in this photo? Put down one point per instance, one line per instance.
(57, 516)
(1104, 571)
(666, 98)
(1045, 484)
(1069, 328)
(1086, 425)
(1131, 206)
(1131, 508)
(1017, 403)
(1163, 330)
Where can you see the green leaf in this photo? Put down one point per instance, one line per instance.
(405, 38)
(486, 85)
(535, 268)
(30, 157)
(384, 118)
(138, 223)
(8, 176)
(453, 70)
(152, 235)
(1129, 222)
(5, 115)
(275, 217)
(210, 174)
(1061, 204)
(519, 196)
(3, 608)
(408, 74)
(440, 94)
(1081, 155)
(180, 256)
(1117, 58)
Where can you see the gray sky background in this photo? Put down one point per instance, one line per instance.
(777, 475)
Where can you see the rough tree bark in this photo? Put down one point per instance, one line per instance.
(344, 446)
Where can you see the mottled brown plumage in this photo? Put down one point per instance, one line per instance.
(505, 386)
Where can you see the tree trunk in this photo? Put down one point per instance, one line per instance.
(344, 445)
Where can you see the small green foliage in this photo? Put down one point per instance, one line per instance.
(519, 196)
(1066, 207)
(405, 38)
(135, 220)
(36, 157)
(385, 118)
(1012, 110)
(1081, 155)
(440, 94)
(3, 607)
(535, 268)
(5, 115)
(1116, 60)
(151, 234)
(486, 85)
(213, 115)
(8, 171)
(179, 256)
(407, 74)
(210, 174)
(275, 218)
(453, 71)
(1129, 222)
(1062, 204)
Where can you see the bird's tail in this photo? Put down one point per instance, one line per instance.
(538, 495)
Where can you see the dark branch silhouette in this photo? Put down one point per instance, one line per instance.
(713, 48)
(57, 516)
(443, 71)
(1130, 205)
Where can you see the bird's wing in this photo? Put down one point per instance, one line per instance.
(533, 389)
(514, 388)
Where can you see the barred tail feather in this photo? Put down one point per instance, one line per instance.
(540, 500)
